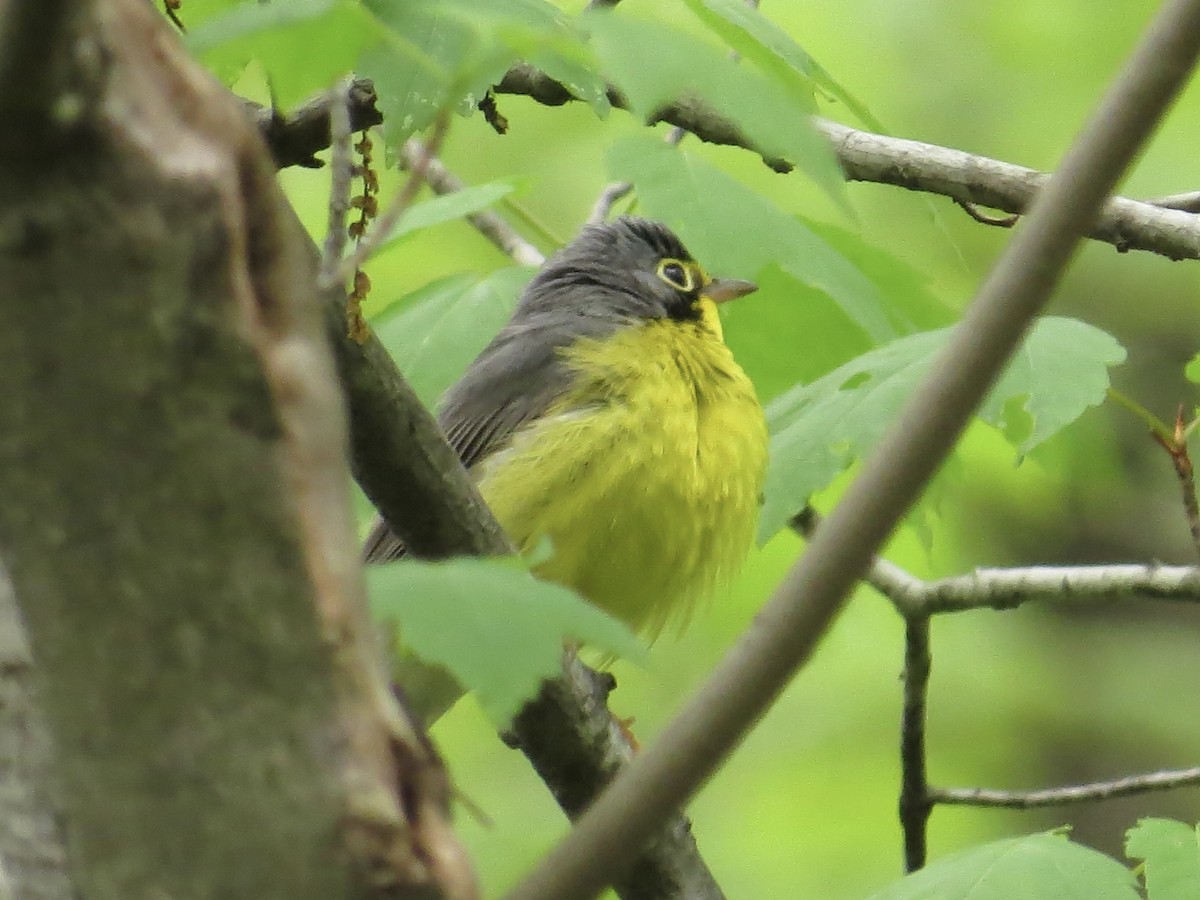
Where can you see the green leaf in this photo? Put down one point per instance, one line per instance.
(911, 304)
(774, 332)
(821, 428)
(734, 231)
(462, 47)
(496, 628)
(1171, 851)
(411, 87)
(447, 208)
(757, 39)
(1192, 370)
(1061, 369)
(770, 48)
(548, 40)
(442, 327)
(789, 332)
(1033, 867)
(654, 65)
(304, 45)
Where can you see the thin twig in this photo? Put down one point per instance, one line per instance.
(915, 804)
(618, 189)
(386, 222)
(973, 210)
(493, 227)
(341, 174)
(1009, 588)
(1062, 796)
(1150, 420)
(1177, 448)
(171, 8)
(787, 630)
(296, 138)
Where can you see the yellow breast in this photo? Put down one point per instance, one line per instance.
(645, 476)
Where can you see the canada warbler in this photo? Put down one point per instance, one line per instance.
(609, 417)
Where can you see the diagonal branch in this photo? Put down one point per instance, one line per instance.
(578, 754)
(784, 635)
(442, 181)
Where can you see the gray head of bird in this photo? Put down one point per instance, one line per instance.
(627, 269)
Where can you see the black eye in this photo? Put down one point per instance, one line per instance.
(676, 274)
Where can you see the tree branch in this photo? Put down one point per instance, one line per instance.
(1164, 780)
(786, 632)
(1165, 226)
(502, 235)
(915, 805)
(1009, 588)
(1012, 587)
(577, 755)
(296, 139)
(341, 174)
(1126, 224)
(689, 114)
(1187, 202)
(383, 226)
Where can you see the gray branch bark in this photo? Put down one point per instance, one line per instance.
(1124, 223)
(1164, 780)
(1167, 226)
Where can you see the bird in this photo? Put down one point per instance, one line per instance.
(609, 418)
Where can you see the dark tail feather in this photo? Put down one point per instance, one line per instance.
(381, 544)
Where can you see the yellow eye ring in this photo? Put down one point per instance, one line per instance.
(677, 274)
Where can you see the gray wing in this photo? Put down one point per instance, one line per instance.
(513, 381)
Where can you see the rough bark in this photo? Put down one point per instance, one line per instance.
(175, 518)
(31, 845)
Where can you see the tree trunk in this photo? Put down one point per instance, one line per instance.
(174, 515)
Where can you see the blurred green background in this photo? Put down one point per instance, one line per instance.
(1040, 696)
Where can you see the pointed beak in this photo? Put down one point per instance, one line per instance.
(719, 290)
